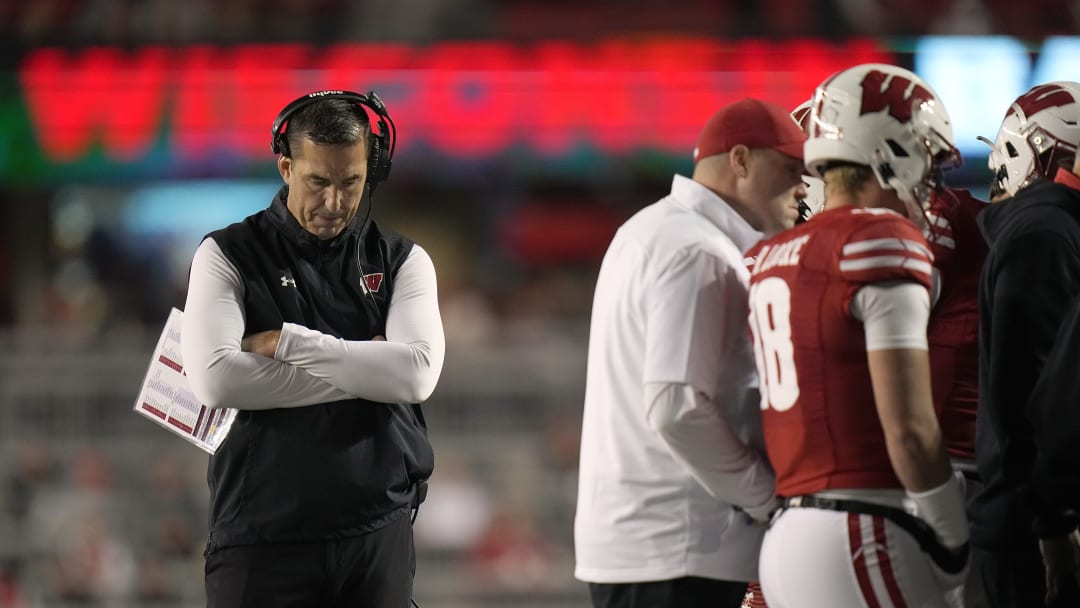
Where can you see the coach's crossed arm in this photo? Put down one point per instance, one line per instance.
(219, 372)
(403, 368)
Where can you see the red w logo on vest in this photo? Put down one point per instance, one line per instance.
(373, 281)
(897, 95)
(1040, 98)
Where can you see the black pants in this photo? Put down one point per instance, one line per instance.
(371, 571)
(1017, 579)
(687, 592)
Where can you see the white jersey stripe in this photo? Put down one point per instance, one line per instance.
(886, 244)
(886, 261)
(937, 220)
(943, 240)
(920, 266)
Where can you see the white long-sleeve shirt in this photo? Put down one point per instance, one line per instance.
(671, 436)
(309, 367)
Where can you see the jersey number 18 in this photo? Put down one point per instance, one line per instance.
(770, 326)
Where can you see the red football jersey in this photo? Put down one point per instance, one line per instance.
(959, 250)
(821, 425)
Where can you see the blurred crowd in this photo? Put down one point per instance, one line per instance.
(76, 534)
(123, 22)
(106, 525)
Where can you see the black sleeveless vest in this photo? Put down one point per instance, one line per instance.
(325, 471)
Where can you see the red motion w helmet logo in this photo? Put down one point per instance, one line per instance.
(1040, 98)
(894, 97)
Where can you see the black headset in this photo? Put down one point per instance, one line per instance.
(381, 145)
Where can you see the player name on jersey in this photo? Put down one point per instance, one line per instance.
(783, 254)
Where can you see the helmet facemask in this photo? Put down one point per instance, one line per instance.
(914, 166)
(814, 201)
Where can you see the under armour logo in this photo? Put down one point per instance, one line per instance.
(286, 280)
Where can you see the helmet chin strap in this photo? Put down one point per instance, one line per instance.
(915, 210)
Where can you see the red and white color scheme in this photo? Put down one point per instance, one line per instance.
(373, 281)
(959, 250)
(549, 96)
(889, 119)
(755, 597)
(821, 428)
(1039, 134)
(824, 559)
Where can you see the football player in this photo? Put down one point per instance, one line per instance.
(959, 250)
(838, 311)
(1027, 425)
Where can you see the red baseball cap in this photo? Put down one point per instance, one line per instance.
(754, 124)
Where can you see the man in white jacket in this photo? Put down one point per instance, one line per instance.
(673, 486)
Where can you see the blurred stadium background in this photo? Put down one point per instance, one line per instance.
(528, 131)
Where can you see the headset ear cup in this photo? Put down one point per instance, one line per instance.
(383, 139)
(375, 161)
(379, 166)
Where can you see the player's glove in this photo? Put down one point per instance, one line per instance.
(943, 509)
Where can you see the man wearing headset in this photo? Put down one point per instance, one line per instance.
(323, 329)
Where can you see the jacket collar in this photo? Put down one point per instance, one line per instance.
(696, 197)
(284, 221)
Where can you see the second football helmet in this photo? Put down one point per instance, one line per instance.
(888, 118)
(1040, 132)
(814, 201)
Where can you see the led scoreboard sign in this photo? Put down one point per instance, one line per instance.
(464, 100)
(172, 111)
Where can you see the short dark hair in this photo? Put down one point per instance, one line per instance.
(328, 122)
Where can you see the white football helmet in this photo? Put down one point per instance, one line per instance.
(815, 186)
(888, 118)
(1040, 132)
